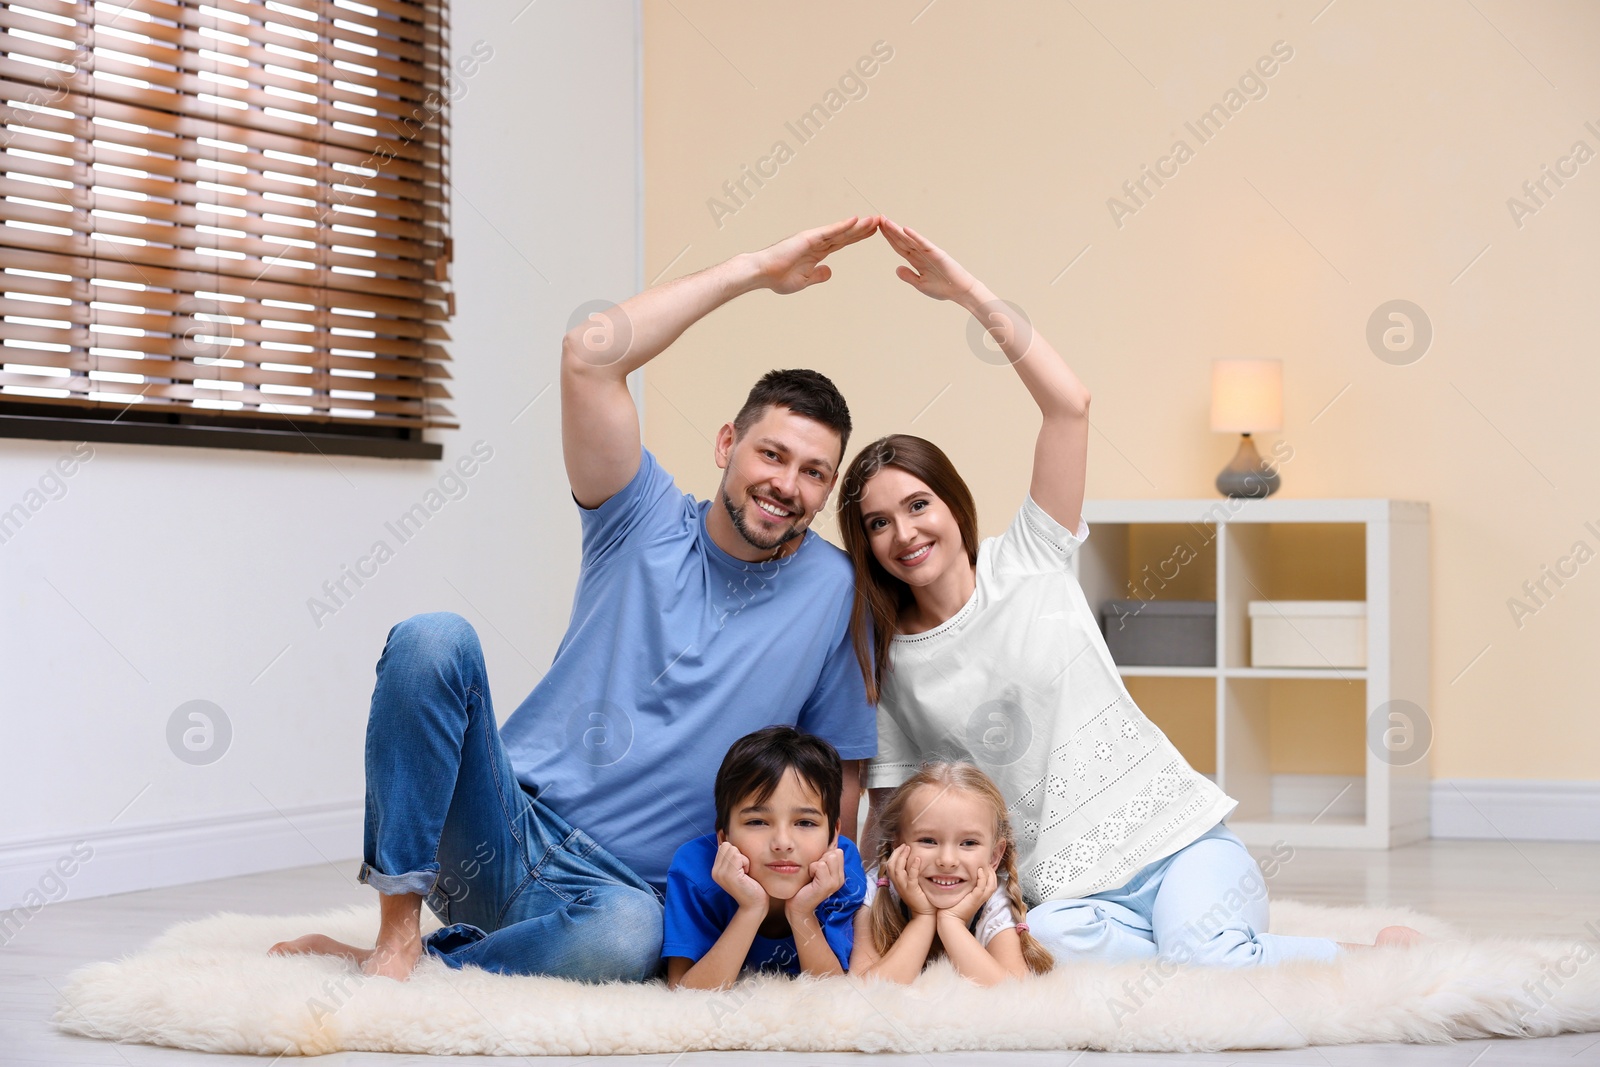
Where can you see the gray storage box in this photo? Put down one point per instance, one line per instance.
(1161, 633)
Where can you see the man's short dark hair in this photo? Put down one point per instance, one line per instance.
(804, 392)
(756, 763)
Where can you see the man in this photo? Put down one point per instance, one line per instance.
(694, 623)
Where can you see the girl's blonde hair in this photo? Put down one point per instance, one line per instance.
(889, 916)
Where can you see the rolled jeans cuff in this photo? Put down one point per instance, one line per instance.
(419, 882)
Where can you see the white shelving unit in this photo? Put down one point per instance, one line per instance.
(1236, 551)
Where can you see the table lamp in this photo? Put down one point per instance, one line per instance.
(1247, 398)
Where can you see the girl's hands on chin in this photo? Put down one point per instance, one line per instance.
(731, 870)
(905, 871)
(932, 271)
(982, 889)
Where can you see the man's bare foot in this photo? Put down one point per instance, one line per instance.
(399, 941)
(320, 945)
(392, 961)
(396, 959)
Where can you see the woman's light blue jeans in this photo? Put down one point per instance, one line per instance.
(520, 890)
(1204, 904)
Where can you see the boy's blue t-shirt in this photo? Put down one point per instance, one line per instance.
(698, 910)
(674, 651)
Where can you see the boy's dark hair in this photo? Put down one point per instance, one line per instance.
(804, 392)
(756, 763)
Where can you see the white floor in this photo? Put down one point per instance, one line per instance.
(1533, 889)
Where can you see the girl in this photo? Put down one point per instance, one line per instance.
(991, 653)
(945, 883)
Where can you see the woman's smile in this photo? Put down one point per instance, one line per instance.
(917, 555)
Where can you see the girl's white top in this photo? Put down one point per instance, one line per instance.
(994, 916)
(1020, 682)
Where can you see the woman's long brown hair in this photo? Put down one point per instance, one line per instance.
(888, 915)
(881, 597)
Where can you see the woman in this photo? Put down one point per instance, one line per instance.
(989, 652)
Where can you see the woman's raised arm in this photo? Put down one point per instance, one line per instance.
(1060, 455)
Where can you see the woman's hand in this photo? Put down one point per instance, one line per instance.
(1060, 455)
(795, 263)
(932, 271)
(731, 870)
(905, 871)
(968, 906)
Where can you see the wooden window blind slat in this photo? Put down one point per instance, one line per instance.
(176, 368)
(187, 215)
(120, 394)
(61, 294)
(340, 189)
(340, 129)
(188, 128)
(175, 224)
(438, 415)
(199, 264)
(184, 283)
(404, 39)
(185, 45)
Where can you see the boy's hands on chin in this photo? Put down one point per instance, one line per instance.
(827, 878)
(731, 870)
(905, 871)
(982, 889)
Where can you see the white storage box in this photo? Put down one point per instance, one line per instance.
(1308, 633)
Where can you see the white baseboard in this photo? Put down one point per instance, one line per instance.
(1490, 809)
(1516, 810)
(97, 863)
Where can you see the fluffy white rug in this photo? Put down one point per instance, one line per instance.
(209, 985)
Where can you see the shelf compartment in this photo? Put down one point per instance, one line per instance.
(1272, 727)
(1148, 561)
(1268, 561)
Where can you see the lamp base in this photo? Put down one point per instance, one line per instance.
(1249, 475)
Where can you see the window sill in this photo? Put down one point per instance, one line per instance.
(197, 431)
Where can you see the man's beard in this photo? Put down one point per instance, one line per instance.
(753, 537)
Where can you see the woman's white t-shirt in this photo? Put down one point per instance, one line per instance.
(1020, 682)
(994, 916)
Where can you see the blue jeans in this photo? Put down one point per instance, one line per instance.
(1204, 904)
(521, 891)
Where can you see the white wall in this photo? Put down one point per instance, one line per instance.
(166, 575)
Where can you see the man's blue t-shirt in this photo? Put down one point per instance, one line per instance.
(699, 910)
(674, 651)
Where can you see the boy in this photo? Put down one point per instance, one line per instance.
(775, 888)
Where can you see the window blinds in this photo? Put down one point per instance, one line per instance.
(235, 207)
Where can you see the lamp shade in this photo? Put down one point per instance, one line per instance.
(1246, 395)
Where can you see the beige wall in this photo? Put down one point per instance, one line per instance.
(1377, 166)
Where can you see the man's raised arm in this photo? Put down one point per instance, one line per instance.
(599, 424)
